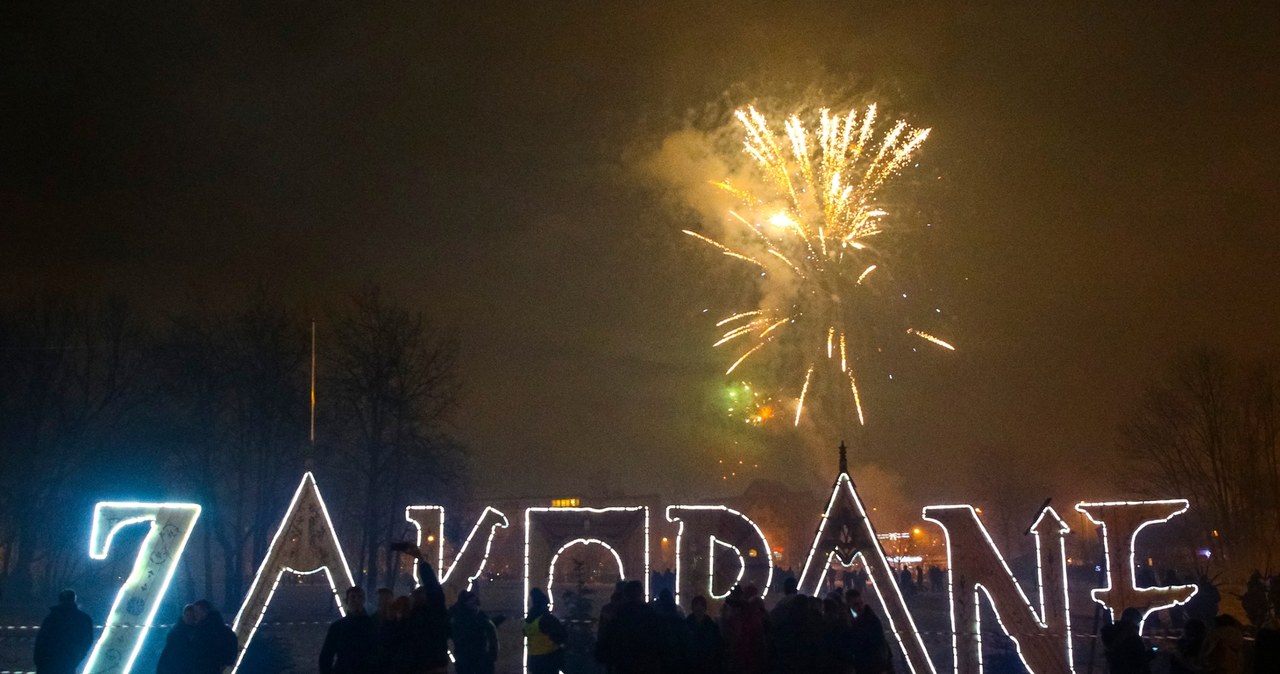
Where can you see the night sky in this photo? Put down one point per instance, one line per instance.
(1099, 193)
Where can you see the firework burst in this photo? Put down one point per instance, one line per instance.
(807, 227)
(750, 405)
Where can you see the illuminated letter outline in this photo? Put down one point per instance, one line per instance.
(588, 512)
(861, 537)
(673, 515)
(280, 555)
(171, 525)
(1057, 577)
(1047, 655)
(551, 570)
(1146, 599)
(446, 576)
(711, 562)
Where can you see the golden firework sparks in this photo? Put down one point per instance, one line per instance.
(817, 206)
(804, 390)
(930, 338)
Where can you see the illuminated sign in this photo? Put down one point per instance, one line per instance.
(622, 531)
(1125, 519)
(702, 530)
(844, 534)
(715, 548)
(429, 521)
(305, 543)
(139, 598)
(1042, 641)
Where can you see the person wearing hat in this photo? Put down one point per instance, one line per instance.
(544, 635)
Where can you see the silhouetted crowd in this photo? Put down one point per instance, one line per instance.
(410, 634)
(1208, 642)
(200, 643)
(836, 634)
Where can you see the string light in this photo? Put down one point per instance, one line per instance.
(983, 569)
(418, 516)
(975, 564)
(753, 536)
(1134, 516)
(1048, 611)
(571, 519)
(158, 555)
(711, 562)
(289, 555)
(551, 569)
(859, 536)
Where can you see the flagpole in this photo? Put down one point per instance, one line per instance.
(313, 384)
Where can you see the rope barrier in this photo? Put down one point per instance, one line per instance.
(325, 623)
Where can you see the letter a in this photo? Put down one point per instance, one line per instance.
(1043, 642)
(304, 544)
(845, 533)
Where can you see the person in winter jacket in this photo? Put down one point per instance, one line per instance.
(475, 637)
(545, 635)
(351, 642)
(179, 654)
(65, 637)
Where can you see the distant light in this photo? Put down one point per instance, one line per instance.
(431, 538)
(1206, 554)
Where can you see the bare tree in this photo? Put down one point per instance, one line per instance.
(70, 383)
(1208, 431)
(234, 393)
(390, 385)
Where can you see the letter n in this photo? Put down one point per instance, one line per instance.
(1043, 641)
